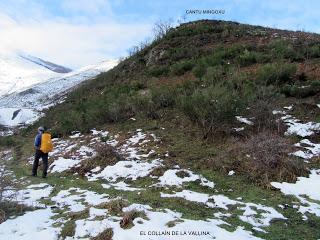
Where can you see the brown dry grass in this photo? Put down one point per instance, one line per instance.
(114, 206)
(158, 171)
(105, 235)
(262, 158)
(128, 217)
(106, 155)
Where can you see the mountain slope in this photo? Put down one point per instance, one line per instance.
(19, 71)
(197, 58)
(28, 103)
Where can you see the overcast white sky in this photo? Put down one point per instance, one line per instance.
(76, 33)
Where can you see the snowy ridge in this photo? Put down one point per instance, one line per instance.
(51, 66)
(45, 94)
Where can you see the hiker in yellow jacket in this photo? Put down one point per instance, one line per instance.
(43, 145)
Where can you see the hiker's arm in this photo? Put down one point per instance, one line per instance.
(37, 142)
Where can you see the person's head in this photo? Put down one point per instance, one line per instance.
(40, 129)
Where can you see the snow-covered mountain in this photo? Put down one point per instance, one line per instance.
(19, 71)
(25, 106)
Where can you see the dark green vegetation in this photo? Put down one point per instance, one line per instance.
(193, 82)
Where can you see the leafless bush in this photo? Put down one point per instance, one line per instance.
(133, 50)
(161, 28)
(140, 47)
(262, 158)
(264, 119)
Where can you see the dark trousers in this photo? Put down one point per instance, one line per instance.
(44, 156)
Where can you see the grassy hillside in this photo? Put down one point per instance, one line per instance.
(193, 65)
(198, 77)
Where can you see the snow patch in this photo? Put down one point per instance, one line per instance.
(10, 117)
(244, 120)
(306, 189)
(170, 178)
(30, 226)
(311, 150)
(122, 186)
(250, 214)
(62, 164)
(31, 195)
(301, 129)
(126, 169)
(157, 222)
(74, 199)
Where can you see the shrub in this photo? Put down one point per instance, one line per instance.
(87, 111)
(118, 111)
(177, 54)
(114, 206)
(200, 69)
(234, 50)
(105, 235)
(315, 84)
(247, 58)
(264, 119)
(282, 49)
(163, 97)
(158, 71)
(301, 91)
(214, 75)
(263, 57)
(212, 108)
(217, 58)
(315, 51)
(7, 141)
(187, 87)
(137, 85)
(181, 67)
(276, 74)
(127, 220)
(262, 158)
(144, 104)
(71, 121)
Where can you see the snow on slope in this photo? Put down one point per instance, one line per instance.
(27, 104)
(14, 116)
(17, 72)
